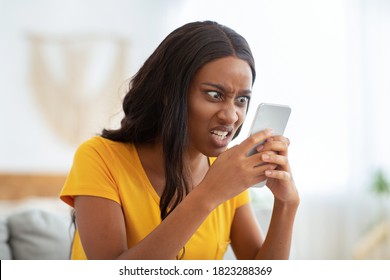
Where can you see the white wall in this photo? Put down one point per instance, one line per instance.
(27, 143)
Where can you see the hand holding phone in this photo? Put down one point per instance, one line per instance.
(274, 116)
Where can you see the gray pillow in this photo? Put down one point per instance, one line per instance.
(5, 250)
(40, 235)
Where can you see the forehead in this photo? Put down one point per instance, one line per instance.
(231, 70)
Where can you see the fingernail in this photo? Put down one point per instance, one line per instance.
(266, 157)
(259, 148)
(268, 172)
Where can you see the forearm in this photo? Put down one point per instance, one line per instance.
(277, 243)
(167, 240)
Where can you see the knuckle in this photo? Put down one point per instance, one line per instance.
(251, 140)
(254, 140)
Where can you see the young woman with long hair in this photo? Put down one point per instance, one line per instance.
(165, 185)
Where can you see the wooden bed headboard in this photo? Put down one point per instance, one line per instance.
(18, 186)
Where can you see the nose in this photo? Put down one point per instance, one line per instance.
(228, 114)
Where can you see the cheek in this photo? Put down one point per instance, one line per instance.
(194, 116)
(241, 113)
(239, 123)
(198, 110)
(197, 119)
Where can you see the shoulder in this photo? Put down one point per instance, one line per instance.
(99, 151)
(102, 145)
(98, 142)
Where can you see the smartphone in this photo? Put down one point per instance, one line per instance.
(274, 116)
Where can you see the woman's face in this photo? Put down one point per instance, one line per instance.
(217, 103)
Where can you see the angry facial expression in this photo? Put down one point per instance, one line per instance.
(218, 98)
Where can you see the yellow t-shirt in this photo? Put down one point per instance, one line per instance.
(113, 170)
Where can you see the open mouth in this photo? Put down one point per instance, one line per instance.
(221, 135)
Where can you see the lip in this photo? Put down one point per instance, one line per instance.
(218, 139)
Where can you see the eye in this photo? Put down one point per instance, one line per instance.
(215, 95)
(242, 100)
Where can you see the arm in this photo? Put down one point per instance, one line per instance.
(245, 243)
(104, 235)
(278, 241)
(248, 243)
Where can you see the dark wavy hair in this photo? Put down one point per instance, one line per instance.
(155, 106)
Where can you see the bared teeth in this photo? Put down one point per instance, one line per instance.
(221, 134)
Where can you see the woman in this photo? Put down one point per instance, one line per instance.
(153, 189)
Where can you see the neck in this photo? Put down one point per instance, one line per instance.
(152, 159)
(198, 165)
(196, 162)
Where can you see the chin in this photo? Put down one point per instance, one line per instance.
(214, 152)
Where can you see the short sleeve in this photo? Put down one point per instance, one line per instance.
(91, 173)
(243, 198)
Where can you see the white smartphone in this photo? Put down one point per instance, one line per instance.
(274, 116)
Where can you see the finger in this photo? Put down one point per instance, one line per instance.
(275, 159)
(257, 160)
(262, 167)
(278, 174)
(280, 145)
(256, 139)
(279, 138)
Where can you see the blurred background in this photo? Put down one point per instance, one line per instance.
(65, 65)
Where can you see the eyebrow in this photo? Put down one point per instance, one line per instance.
(223, 89)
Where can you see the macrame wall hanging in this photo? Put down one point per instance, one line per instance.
(78, 83)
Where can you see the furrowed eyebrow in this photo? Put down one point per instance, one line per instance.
(223, 89)
(218, 86)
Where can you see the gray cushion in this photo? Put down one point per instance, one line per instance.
(5, 250)
(36, 234)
